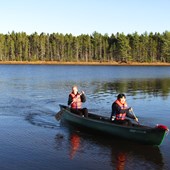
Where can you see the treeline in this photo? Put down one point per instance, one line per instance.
(85, 48)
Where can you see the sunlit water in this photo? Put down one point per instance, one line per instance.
(31, 138)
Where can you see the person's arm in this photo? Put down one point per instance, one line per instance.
(70, 99)
(132, 116)
(115, 109)
(128, 114)
(127, 111)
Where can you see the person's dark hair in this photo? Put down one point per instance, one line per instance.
(121, 96)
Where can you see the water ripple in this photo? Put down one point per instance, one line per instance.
(43, 119)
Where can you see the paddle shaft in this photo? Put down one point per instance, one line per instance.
(59, 114)
(134, 116)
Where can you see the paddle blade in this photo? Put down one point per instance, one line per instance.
(58, 115)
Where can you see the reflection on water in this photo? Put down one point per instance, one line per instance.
(75, 144)
(133, 155)
(120, 160)
(154, 87)
(123, 154)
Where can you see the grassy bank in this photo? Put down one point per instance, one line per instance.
(85, 63)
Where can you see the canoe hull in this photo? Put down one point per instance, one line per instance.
(141, 134)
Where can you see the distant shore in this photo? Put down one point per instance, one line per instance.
(84, 63)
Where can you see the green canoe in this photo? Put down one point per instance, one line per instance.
(103, 125)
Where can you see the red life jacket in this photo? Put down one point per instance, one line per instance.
(121, 116)
(77, 104)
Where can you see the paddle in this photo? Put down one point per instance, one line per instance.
(59, 114)
(136, 119)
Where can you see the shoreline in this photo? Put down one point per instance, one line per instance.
(82, 63)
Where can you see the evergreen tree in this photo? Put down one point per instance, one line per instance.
(96, 47)
(166, 46)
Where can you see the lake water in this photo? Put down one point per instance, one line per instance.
(32, 139)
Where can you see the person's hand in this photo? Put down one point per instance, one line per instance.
(113, 118)
(74, 100)
(82, 92)
(136, 119)
(130, 109)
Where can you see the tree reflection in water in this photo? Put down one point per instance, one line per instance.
(155, 87)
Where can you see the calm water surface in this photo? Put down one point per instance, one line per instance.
(32, 139)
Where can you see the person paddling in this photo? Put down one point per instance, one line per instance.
(120, 111)
(76, 99)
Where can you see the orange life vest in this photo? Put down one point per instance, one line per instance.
(77, 104)
(121, 116)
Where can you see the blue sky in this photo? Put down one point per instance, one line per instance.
(84, 16)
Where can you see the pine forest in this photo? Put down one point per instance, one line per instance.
(146, 47)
